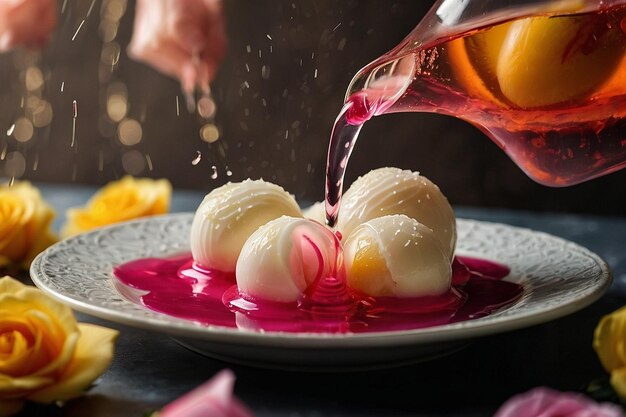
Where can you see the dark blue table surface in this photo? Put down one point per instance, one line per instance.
(149, 369)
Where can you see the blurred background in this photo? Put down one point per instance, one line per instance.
(273, 103)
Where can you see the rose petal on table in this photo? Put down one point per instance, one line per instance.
(213, 398)
(545, 402)
(184, 39)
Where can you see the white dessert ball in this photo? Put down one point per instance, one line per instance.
(396, 256)
(229, 214)
(387, 191)
(284, 257)
(316, 212)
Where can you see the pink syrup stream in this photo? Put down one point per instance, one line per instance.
(178, 287)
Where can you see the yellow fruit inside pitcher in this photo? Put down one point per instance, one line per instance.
(541, 61)
(483, 50)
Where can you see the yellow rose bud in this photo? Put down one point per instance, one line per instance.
(609, 342)
(24, 224)
(45, 356)
(126, 199)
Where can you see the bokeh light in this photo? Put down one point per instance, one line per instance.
(209, 133)
(23, 131)
(117, 107)
(15, 164)
(206, 107)
(129, 132)
(133, 162)
(42, 115)
(33, 78)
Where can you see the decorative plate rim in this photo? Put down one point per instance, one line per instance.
(517, 315)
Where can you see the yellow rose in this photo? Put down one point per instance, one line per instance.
(24, 224)
(45, 356)
(126, 199)
(609, 341)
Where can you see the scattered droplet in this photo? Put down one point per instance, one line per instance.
(149, 161)
(177, 107)
(91, 7)
(197, 159)
(214, 173)
(110, 54)
(269, 37)
(341, 44)
(265, 72)
(74, 116)
(36, 163)
(229, 173)
(10, 129)
(78, 30)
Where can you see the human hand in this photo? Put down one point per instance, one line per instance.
(184, 39)
(26, 22)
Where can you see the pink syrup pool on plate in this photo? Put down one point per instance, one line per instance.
(178, 287)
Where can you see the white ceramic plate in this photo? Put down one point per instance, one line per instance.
(559, 277)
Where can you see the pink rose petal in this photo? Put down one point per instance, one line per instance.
(184, 39)
(545, 402)
(214, 398)
(26, 22)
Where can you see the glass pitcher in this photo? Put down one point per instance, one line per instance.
(545, 80)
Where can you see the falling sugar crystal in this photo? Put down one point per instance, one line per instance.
(214, 174)
(74, 116)
(197, 159)
(11, 129)
(78, 30)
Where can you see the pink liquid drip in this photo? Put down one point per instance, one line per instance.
(359, 108)
(178, 287)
